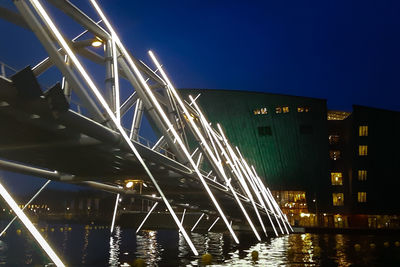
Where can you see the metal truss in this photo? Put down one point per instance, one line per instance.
(213, 164)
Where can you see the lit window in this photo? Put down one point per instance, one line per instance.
(278, 110)
(338, 199)
(362, 196)
(362, 175)
(261, 111)
(337, 178)
(362, 150)
(334, 139)
(303, 109)
(285, 109)
(334, 154)
(363, 130)
(264, 130)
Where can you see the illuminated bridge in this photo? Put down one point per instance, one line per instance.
(85, 130)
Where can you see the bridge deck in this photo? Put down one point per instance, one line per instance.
(70, 143)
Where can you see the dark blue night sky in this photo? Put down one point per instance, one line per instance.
(347, 52)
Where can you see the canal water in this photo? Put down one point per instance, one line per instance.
(91, 245)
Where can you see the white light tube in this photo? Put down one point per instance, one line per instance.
(110, 113)
(147, 216)
(26, 205)
(170, 126)
(28, 224)
(114, 214)
(194, 226)
(212, 225)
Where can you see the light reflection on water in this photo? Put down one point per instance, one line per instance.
(115, 242)
(92, 245)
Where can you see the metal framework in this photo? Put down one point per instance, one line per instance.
(95, 110)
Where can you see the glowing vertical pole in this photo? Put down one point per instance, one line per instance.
(114, 214)
(28, 224)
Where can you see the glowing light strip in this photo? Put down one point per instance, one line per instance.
(217, 161)
(267, 199)
(26, 205)
(125, 53)
(265, 188)
(212, 225)
(240, 166)
(278, 210)
(28, 224)
(183, 215)
(199, 159)
(208, 149)
(147, 216)
(259, 197)
(110, 113)
(246, 170)
(63, 78)
(194, 226)
(238, 174)
(186, 152)
(75, 38)
(114, 214)
(158, 142)
(271, 198)
(116, 80)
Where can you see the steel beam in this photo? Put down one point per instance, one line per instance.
(56, 57)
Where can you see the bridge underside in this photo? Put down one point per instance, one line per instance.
(38, 134)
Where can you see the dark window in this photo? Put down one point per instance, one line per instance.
(306, 129)
(334, 139)
(334, 154)
(264, 130)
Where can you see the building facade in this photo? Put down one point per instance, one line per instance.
(326, 168)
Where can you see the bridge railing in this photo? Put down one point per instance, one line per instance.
(6, 70)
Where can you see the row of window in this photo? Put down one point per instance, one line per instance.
(278, 110)
(266, 130)
(338, 198)
(336, 154)
(337, 177)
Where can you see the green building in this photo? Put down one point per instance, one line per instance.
(284, 137)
